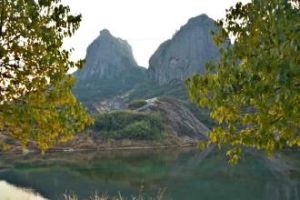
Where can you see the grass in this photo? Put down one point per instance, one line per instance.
(140, 196)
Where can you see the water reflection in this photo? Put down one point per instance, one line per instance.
(10, 192)
(185, 174)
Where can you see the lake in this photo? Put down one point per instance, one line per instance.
(182, 174)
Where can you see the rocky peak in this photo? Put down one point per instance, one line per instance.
(105, 33)
(110, 71)
(199, 20)
(107, 57)
(186, 53)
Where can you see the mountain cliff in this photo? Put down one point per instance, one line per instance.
(186, 53)
(107, 57)
(111, 82)
(109, 71)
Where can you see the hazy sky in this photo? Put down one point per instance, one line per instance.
(145, 24)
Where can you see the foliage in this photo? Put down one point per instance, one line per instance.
(138, 103)
(36, 102)
(254, 91)
(129, 125)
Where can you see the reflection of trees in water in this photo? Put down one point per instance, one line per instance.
(87, 158)
(191, 170)
(87, 172)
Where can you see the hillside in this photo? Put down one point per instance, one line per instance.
(111, 80)
(158, 123)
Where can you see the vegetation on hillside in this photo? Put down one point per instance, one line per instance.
(254, 91)
(36, 102)
(129, 125)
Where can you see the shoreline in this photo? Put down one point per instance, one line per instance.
(122, 148)
(101, 149)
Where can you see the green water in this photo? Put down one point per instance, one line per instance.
(184, 174)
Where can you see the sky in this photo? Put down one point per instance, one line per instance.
(145, 24)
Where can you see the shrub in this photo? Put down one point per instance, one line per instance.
(129, 125)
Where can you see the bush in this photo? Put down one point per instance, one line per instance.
(129, 125)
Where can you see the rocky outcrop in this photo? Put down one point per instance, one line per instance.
(110, 70)
(178, 120)
(186, 53)
(107, 57)
(108, 105)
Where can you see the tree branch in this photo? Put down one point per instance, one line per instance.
(2, 16)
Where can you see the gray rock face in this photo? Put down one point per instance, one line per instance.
(186, 53)
(110, 70)
(178, 120)
(107, 57)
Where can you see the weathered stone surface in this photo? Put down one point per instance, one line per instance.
(110, 70)
(186, 53)
(178, 120)
(107, 57)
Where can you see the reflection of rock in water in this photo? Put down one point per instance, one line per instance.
(192, 163)
(287, 188)
(188, 174)
(282, 191)
(274, 174)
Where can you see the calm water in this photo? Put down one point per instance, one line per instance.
(184, 174)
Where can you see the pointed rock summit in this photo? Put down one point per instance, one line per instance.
(186, 53)
(110, 70)
(105, 33)
(107, 57)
